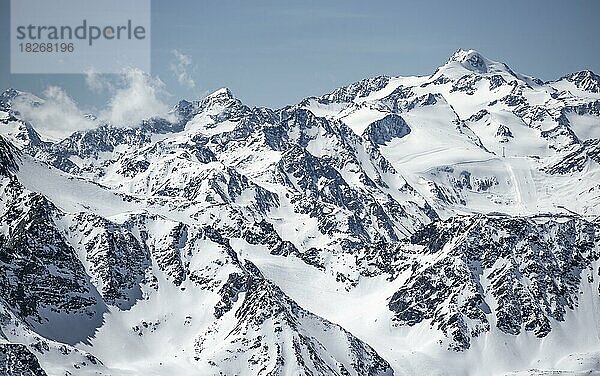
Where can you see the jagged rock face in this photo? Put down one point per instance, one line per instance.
(17, 360)
(264, 233)
(386, 129)
(258, 328)
(166, 250)
(40, 270)
(590, 108)
(117, 259)
(321, 185)
(358, 90)
(514, 272)
(286, 323)
(273, 334)
(6, 98)
(585, 80)
(103, 139)
(575, 158)
(8, 158)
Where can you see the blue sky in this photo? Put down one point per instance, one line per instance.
(273, 53)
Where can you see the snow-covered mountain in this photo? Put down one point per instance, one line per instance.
(435, 225)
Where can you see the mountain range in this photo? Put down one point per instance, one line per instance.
(432, 225)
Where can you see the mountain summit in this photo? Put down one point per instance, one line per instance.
(472, 60)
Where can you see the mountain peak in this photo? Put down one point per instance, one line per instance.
(460, 54)
(10, 92)
(220, 99)
(471, 60)
(223, 93)
(7, 97)
(585, 80)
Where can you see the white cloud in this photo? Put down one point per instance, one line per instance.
(97, 82)
(134, 96)
(135, 99)
(56, 116)
(180, 68)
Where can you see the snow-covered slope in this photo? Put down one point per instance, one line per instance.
(436, 225)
